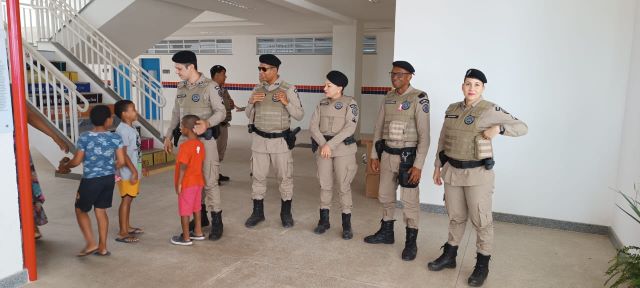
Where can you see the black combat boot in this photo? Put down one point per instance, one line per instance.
(216, 226)
(257, 215)
(323, 223)
(384, 235)
(410, 247)
(480, 272)
(446, 260)
(346, 226)
(204, 221)
(285, 214)
(223, 178)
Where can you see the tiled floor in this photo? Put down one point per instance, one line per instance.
(271, 256)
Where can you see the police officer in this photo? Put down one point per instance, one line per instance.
(219, 75)
(401, 140)
(271, 106)
(464, 163)
(332, 130)
(198, 95)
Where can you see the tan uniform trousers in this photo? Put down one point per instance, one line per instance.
(222, 141)
(345, 169)
(410, 197)
(210, 170)
(474, 202)
(282, 162)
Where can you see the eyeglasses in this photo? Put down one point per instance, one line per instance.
(264, 69)
(398, 74)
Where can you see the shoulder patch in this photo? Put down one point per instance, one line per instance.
(425, 107)
(498, 108)
(354, 109)
(422, 95)
(424, 101)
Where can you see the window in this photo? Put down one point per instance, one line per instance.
(307, 45)
(369, 45)
(204, 46)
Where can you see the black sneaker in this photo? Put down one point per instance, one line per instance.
(193, 236)
(223, 178)
(178, 240)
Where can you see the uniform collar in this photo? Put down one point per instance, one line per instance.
(473, 104)
(199, 82)
(274, 85)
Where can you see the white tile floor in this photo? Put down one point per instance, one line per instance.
(270, 256)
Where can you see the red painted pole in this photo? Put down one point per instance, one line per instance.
(21, 137)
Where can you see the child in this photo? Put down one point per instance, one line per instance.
(100, 153)
(128, 186)
(189, 182)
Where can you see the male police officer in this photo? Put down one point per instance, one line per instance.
(219, 75)
(401, 140)
(271, 106)
(198, 95)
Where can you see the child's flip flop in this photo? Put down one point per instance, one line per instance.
(127, 239)
(85, 253)
(97, 253)
(136, 231)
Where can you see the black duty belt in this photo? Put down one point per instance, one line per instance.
(398, 151)
(347, 141)
(487, 163)
(269, 135)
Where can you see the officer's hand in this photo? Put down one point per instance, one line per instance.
(168, 146)
(282, 97)
(178, 189)
(325, 151)
(201, 126)
(374, 164)
(491, 132)
(414, 175)
(437, 178)
(256, 97)
(233, 104)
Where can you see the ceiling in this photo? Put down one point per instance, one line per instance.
(273, 17)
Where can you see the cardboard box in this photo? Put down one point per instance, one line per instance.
(73, 76)
(372, 185)
(171, 157)
(147, 160)
(159, 157)
(146, 143)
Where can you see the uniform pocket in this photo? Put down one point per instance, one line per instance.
(396, 130)
(325, 124)
(337, 125)
(486, 216)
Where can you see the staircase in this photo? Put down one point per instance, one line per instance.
(73, 69)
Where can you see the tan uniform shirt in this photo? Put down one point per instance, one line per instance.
(294, 107)
(422, 127)
(226, 98)
(338, 148)
(477, 176)
(212, 97)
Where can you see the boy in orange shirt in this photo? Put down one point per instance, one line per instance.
(189, 182)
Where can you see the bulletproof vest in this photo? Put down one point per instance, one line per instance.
(462, 137)
(333, 114)
(227, 103)
(195, 100)
(399, 116)
(271, 115)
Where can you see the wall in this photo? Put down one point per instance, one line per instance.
(296, 69)
(11, 248)
(564, 73)
(627, 230)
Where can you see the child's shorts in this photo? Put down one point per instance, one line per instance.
(127, 189)
(95, 192)
(189, 200)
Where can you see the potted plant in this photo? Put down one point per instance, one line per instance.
(625, 267)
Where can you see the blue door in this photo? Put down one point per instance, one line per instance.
(152, 66)
(121, 84)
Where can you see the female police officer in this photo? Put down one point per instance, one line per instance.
(332, 126)
(463, 162)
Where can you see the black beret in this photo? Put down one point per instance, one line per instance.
(404, 65)
(216, 69)
(270, 59)
(476, 74)
(184, 57)
(338, 78)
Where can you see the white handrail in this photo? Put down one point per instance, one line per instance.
(48, 89)
(103, 57)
